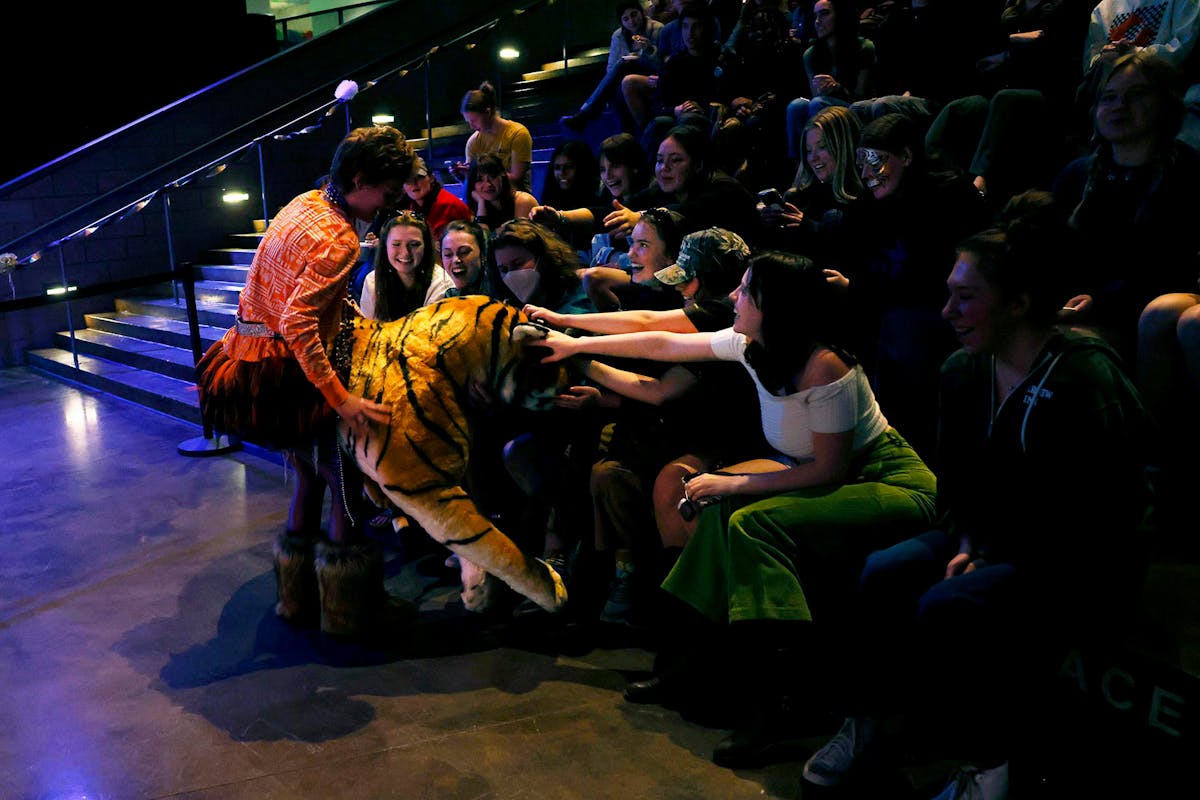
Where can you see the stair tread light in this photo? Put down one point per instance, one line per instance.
(233, 196)
(509, 53)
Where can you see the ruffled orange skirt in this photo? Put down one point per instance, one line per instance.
(269, 402)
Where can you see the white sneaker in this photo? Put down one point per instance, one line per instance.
(833, 761)
(972, 783)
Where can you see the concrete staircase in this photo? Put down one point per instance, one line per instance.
(141, 351)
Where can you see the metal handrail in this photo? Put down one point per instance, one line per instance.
(183, 272)
(323, 110)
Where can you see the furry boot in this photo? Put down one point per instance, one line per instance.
(351, 584)
(296, 578)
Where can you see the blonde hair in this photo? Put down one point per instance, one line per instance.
(841, 128)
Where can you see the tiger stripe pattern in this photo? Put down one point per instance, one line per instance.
(424, 366)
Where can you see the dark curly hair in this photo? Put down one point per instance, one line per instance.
(376, 154)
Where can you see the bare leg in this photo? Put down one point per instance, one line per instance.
(668, 491)
(1168, 363)
(308, 497)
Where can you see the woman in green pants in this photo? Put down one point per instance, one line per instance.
(788, 539)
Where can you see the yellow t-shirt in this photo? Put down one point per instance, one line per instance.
(511, 142)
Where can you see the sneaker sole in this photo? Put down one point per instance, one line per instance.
(820, 780)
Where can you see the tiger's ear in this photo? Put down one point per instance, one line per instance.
(527, 333)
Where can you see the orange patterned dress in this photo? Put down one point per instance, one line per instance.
(269, 379)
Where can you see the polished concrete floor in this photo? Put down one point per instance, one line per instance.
(140, 658)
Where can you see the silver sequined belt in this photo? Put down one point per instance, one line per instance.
(256, 329)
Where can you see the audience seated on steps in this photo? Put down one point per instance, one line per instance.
(960, 630)
(624, 171)
(633, 50)
(665, 430)
(792, 528)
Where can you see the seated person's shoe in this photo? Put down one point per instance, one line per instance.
(652, 691)
(830, 765)
(577, 121)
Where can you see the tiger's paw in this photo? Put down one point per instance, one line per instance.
(557, 597)
(478, 587)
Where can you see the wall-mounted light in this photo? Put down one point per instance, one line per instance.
(509, 53)
(56, 290)
(382, 119)
(233, 196)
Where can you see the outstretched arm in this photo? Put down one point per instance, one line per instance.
(654, 345)
(675, 320)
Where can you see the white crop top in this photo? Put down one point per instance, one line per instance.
(789, 421)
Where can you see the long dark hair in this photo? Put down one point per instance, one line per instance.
(491, 165)
(630, 5)
(801, 311)
(392, 298)
(587, 178)
(846, 60)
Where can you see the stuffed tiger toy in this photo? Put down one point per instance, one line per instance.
(424, 365)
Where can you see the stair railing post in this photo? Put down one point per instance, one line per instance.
(262, 183)
(166, 196)
(208, 444)
(62, 266)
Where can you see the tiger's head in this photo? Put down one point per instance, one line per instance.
(529, 383)
(475, 342)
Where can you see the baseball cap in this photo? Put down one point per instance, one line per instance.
(706, 252)
(419, 170)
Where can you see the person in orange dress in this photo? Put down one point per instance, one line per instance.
(270, 379)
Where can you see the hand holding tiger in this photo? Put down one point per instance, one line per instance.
(359, 413)
(560, 346)
(543, 315)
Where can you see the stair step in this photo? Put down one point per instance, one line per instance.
(227, 273)
(222, 315)
(153, 328)
(209, 292)
(587, 56)
(245, 240)
(554, 69)
(232, 255)
(144, 354)
(171, 396)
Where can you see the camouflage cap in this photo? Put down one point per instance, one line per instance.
(714, 250)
